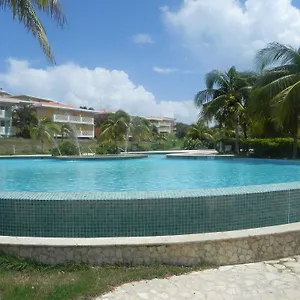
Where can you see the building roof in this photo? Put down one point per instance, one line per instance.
(11, 100)
(61, 106)
(106, 111)
(32, 97)
(160, 118)
(4, 92)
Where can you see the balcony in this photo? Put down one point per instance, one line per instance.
(2, 130)
(73, 119)
(167, 124)
(2, 113)
(164, 130)
(85, 133)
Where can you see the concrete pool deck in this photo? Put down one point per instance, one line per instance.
(270, 280)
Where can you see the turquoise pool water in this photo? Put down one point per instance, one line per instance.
(153, 173)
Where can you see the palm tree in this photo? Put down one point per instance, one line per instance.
(200, 131)
(24, 117)
(66, 131)
(280, 85)
(141, 129)
(224, 99)
(45, 130)
(26, 12)
(116, 127)
(160, 137)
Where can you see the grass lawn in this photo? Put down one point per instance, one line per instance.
(23, 146)
(31, 146)
(24, 280)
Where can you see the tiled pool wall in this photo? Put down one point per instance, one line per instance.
(159, 213)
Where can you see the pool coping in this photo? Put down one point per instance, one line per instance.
(139, 195)
(151, 240)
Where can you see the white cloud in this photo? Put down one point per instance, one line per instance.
(164, 70)
(222, 33)
(98, 88)
(143, 38)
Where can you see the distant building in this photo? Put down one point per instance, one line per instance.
(81, 119)
(7, 104)
(163, 124)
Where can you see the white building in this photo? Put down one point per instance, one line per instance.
(163, 124)
(6, 108)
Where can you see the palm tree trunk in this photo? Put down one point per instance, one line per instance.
(244, 126)
(236, 129)
(42, 146)
(295, 137)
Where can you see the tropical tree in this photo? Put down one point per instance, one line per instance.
(24, 117)
(140, 129)
(279, 86)
(66, 131)
(116, 127)
(44, 131)
(181, 130)
(160, 137)
(225, 99)
(26, 12)
(200, 131)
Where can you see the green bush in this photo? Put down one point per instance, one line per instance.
(66, 148)
(140, 147)
(265, 148)
(192, 144)
(107, 148)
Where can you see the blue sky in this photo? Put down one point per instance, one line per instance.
(181, 40)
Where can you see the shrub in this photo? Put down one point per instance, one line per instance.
(140, 147)
(66, 148)
(265, 148)
(107, 148)
(192, 144)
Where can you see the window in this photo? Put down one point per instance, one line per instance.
(2, 123)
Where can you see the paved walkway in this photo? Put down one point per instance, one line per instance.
(278, 280)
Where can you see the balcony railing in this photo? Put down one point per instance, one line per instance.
(2, 130)
(73, 119)
(85, 133)
(164, 124)
(2, 113)
(164, 130)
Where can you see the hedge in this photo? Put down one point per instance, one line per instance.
(265, 148)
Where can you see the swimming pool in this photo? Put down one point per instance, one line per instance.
(155, 173)
(154, 196)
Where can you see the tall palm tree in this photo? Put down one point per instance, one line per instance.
(26, 12)
(45, 131)
(116, 127)
(24, 117)
(224, 99)
(280, 85)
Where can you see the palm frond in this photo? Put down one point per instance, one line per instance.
(276, 54)
(276, 86)
(216, 79)
(203, 97)
(25, 12)
(53, 9)
(286, 103)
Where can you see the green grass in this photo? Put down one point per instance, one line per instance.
(31, 146)
(25, 280)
